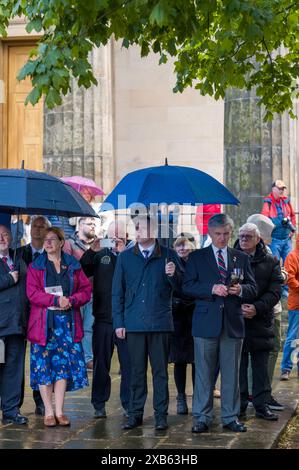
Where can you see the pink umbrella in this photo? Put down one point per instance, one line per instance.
(79, 183)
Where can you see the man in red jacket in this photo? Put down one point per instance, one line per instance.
(278, 208)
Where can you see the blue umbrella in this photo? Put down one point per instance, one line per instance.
(169, 184)
(33, 192)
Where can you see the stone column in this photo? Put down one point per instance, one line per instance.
(78, 135)
(256, 153)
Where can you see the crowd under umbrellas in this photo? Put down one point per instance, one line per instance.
(145, 191)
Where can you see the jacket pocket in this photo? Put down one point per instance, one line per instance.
(4, 318)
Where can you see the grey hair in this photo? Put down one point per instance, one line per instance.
(36, 217)
(220, 220)
(248, 227)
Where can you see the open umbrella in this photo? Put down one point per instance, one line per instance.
(33, 192)
(79, 183)
(169, 184)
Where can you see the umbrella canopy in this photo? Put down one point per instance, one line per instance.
(34, 192)
(79, 183)
(170, 184)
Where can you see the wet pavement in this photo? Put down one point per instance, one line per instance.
(86, 432)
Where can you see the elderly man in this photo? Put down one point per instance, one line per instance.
(143, 284)
(13, 323)
(29, 253)
(100, 263)
(259, 321)
(219, 279)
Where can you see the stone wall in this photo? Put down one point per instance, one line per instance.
(78, 134)
(151, 122)
(256, 153)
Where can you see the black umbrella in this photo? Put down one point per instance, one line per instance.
(33, 192)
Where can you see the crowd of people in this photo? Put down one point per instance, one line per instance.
(78, 297)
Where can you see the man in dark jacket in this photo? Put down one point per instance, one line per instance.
(259, 321)
(29, 253)
(100, 263)
(13, 323)
(218, 324)
(142, 289)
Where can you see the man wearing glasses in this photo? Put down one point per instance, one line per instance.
(77, 245)
(278, 208)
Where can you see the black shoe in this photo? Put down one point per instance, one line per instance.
(274, 405)
(17, 419)
(200, 427)
(161, 423)
(265, 413)
(235, 426)
(40, 410)
(101, 413)
(132, 423)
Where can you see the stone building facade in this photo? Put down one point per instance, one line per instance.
(132, 120)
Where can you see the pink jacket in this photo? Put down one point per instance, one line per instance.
(40, 300)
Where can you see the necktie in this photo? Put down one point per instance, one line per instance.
(36, 255)
(5, 260)
(221, 266)
(145, 253)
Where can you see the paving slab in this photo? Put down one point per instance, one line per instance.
(86, 432)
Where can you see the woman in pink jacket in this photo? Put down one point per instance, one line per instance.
(56, 288)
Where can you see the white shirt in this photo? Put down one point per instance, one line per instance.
(36, 251)
(223, 251)
(150, 249)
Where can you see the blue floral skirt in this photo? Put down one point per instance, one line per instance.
(60, 359)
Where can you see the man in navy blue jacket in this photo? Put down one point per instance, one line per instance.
(220, 279)
(144, 279)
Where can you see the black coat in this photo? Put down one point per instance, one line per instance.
(259, 331)
(181, 340)
(13, 300)
(101, 266)
(25, 252)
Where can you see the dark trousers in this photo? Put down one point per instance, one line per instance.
(36, 393)
(103, 342)
(154, 346)
(180, 376)
(11, 375)
(261, 387)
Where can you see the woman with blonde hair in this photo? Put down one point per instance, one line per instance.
(56, 289)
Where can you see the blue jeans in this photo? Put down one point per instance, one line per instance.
(291, 345)
(280, 249)
(87, 317)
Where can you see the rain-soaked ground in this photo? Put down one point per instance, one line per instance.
(86, 432)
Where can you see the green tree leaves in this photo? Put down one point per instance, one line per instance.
(217, 44)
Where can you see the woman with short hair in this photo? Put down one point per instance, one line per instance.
(56, 288)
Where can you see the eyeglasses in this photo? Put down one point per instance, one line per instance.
(281, 189)
(245, 236)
